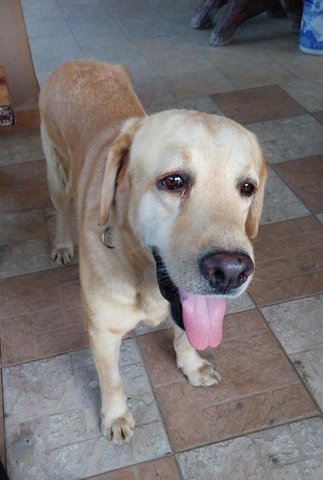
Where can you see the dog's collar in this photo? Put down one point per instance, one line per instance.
(106, 237)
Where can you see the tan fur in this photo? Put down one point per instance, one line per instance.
(103, 152)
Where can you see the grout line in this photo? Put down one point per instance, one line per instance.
(246, 433)
(153, 392)
(286, 355)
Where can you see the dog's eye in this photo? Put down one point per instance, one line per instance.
(247, 189)
(173, 182)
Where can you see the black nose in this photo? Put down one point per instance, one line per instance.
(226, 270)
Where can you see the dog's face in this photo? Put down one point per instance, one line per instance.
(196, 184)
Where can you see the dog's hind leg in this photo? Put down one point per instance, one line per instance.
(199, 372)
(59, 184)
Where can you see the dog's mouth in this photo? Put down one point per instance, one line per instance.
(201, 316)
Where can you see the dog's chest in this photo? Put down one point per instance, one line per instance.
(154, 307)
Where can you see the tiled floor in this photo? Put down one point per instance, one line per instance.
(264, 421)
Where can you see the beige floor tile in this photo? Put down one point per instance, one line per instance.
(257, 74)
(52, 418)
(49, 51)
(107, 47)
(308, 93)
(280, 203)
(154, 93)
(151, 27)
(298, 324)
(20, 147)
(280, 453)
(290, 138)
(202, 104)
(24, 243)
(205, 82)
(180, 62)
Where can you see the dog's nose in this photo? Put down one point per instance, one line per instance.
(226, 270)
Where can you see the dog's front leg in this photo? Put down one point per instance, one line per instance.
(117, 421)
(199, 371)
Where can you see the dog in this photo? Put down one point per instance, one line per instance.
(167, 206)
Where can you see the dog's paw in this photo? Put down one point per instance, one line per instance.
(203, 376)
(62, 255)
(120, 430)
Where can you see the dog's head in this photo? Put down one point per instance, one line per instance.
(195, 186)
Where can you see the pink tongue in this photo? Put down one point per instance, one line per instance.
(203, 319)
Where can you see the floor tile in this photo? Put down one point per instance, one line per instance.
(95, 47)
(289, 138)
(142, 72)
(151, 27)
(309, 365)
(193, 84)
(121, 9)
(305, 68)
(257, 104)
(259, 387)
(202, 104)
(52, 418)
(24, 243)
(297, 324)
(163, 469)
(27, 186)
(308, 93)
(20, 147)
(82, 18)
(41, 315)
(155, 92)
(305, 178)
(318, 116)
(47, 25)
(285, 270)
(280, 453)
(235, 54)
(280, 203)
(4, 150)
(181, 7)
(298, 327)
(47, 8)
(257, 74)
(172, 63)
(49, 51)
(152, 47)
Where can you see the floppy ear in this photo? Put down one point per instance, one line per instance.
(255, 210)
(117, 153)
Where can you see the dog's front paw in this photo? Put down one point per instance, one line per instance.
(120, 430)
(62, 255)
(203, 376)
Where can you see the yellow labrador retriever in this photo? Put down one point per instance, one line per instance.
(166, 204)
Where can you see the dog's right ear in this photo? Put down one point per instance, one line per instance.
(117, 153)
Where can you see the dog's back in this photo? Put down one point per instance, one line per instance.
(91, 94)
(79, 101)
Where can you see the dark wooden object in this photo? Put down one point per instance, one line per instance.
(236, 12)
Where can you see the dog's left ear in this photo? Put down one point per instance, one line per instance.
(255, 210)
(117, 153)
